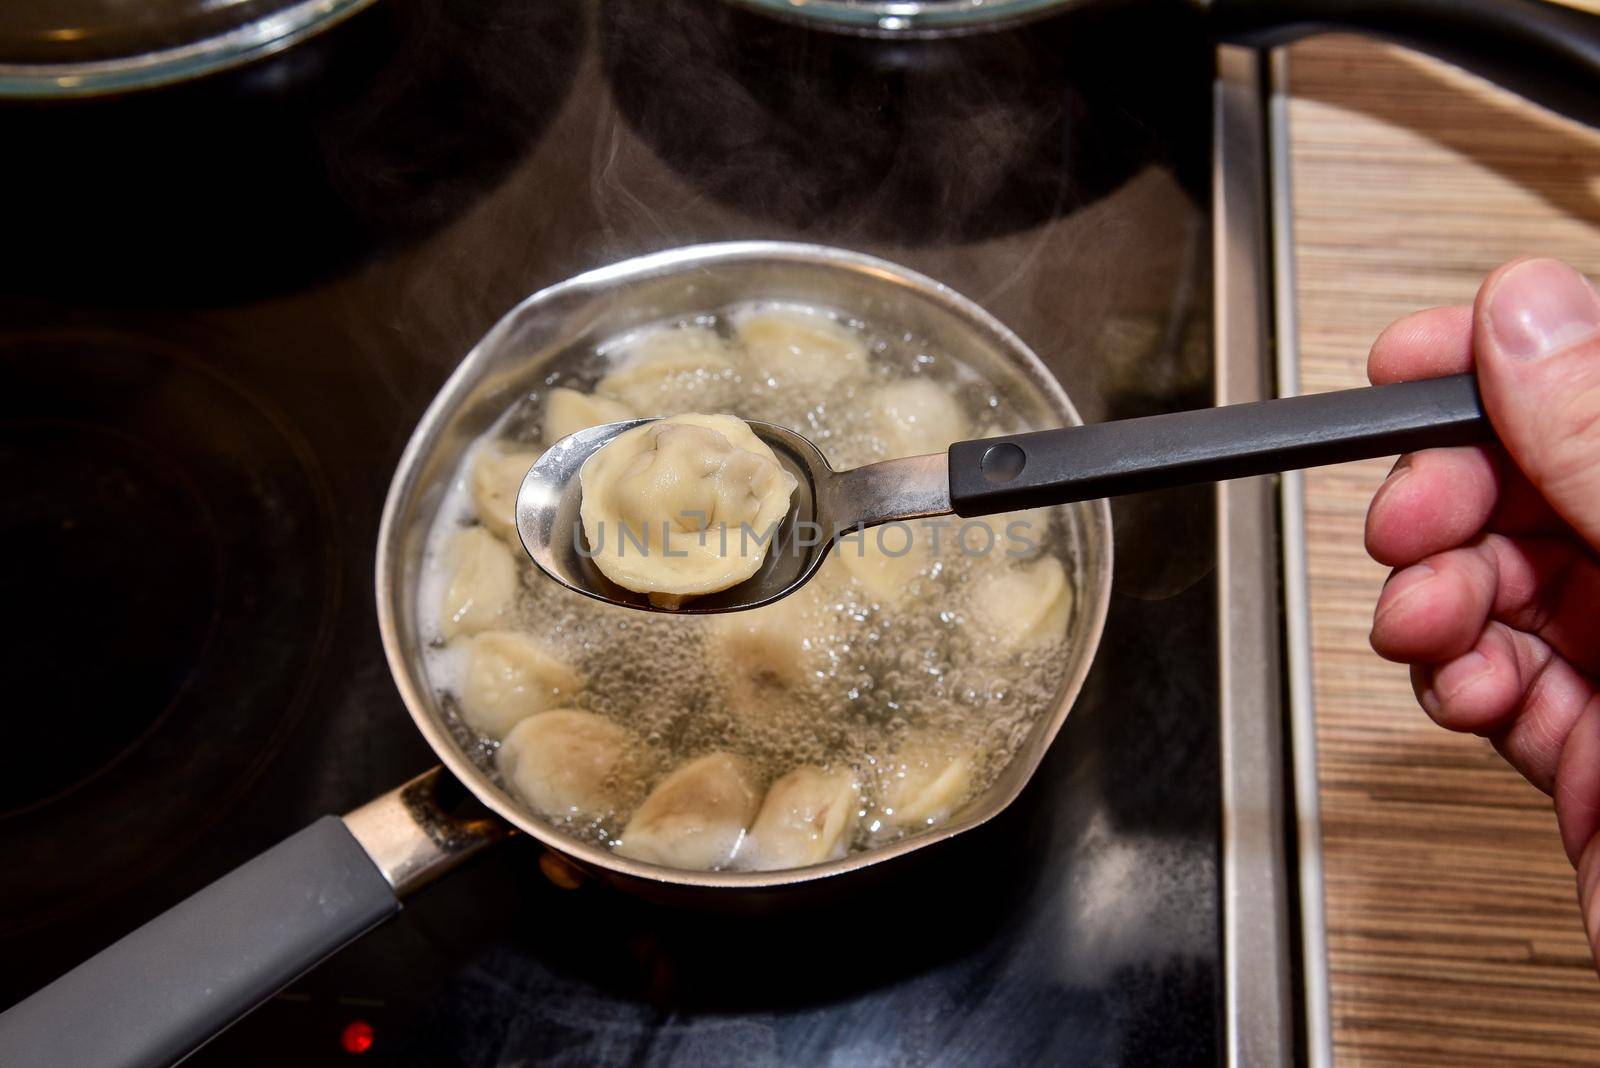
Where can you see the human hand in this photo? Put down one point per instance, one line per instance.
(1495, 596)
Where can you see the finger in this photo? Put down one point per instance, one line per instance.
(1536, 344)
(1425, 344)
(1577, 792)
(1512, 688)
(1554, 695)
(1549, 587)
(1521, 508)
(1434, 611)
(1480, 691)
(1589, 893)
(1432, 501)
(1437, 499)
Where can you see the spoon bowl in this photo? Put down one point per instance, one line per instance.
(825, 504)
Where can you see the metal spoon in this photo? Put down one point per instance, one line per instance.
(993, 475)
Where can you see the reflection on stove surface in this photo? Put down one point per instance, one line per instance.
(172, 587)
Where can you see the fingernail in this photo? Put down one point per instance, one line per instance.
(1396, 475)
(1422, 686)
(1401, 586)
(1461, 673)
(1541, 306)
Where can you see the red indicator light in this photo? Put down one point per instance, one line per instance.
(356, 1036)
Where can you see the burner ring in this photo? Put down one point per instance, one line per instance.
(31, 441)
(174, 548)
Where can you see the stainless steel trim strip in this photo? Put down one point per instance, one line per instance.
(1258, 994)
(1315, 1011)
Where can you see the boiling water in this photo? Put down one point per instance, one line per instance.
(872, 672)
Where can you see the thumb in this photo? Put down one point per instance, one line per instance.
(1536, 337)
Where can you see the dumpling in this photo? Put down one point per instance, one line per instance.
(875, 560)
(763, 650)
(1024, 606)
(566, 411)
(497, 474)
(791, 347)
(671, 371)
(916, 416)
(696, 816)
(684, 506)
(808, 817)
(926, 780)
(1017, 535)
(568, 764)
(483, 583)
(510, 677)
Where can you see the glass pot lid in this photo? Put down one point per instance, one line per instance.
(63, 48)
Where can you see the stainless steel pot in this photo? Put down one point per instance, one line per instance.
(169, 986)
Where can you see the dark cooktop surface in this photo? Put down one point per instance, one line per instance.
(223, 309)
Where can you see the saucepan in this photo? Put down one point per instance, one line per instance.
(166, 988)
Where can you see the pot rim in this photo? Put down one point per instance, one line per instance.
(907, 18)
(266, 34)
(669, 261)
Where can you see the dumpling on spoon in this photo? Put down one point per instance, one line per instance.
(695, 817)
(683, 506)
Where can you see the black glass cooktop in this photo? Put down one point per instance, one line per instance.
(224, 306)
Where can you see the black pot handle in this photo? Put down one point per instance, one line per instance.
(1212, 444)
(161, 992)
(1548, 53)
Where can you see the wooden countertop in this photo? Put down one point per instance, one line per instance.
(1453, 930)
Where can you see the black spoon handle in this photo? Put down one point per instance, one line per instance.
(1212, 444)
